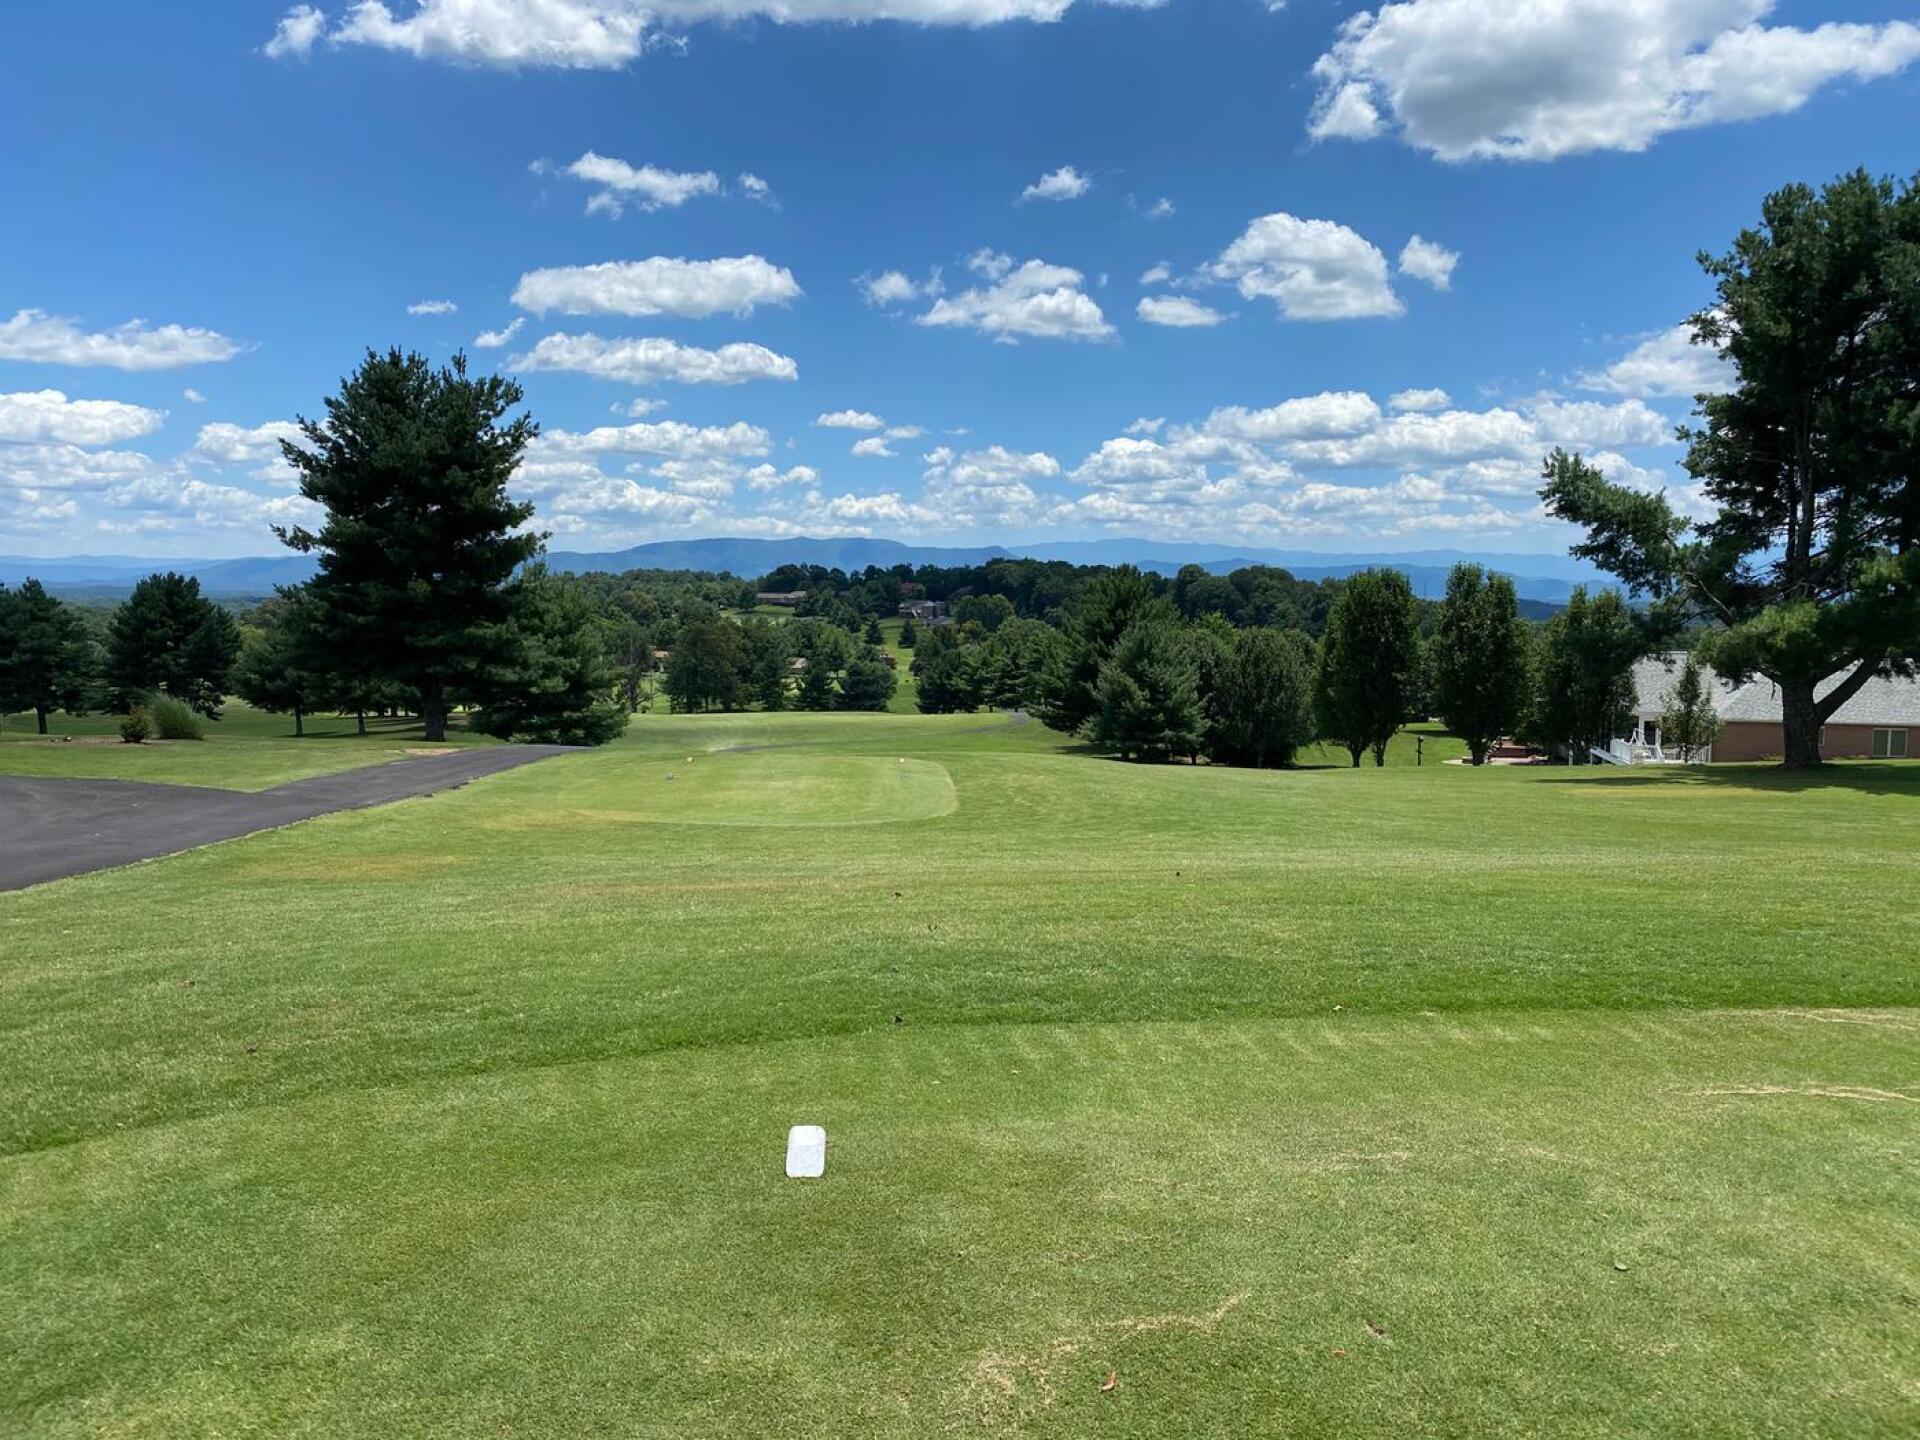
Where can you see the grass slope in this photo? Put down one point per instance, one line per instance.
(1501, 1102)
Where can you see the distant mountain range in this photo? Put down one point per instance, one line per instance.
(1544, 578)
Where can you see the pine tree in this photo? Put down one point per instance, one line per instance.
(563, 688)
(270, 673)
(1148, 694)
(47, 658)
(1259, 698)
(421, 539)
(167, 636)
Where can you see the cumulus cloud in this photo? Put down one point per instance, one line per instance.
(1310, 269)
(223, 443)
(432, 307)
(1177, 311)
(850, 420)
(618, 184)
(497, 339)
(1481, 79)
(977, 489)
(1424, 260)
(1161, 209)
(296, 33)
(673, 439)
(874, 447)
(1033, 300)
(43, 339)
(1432, 399)
(651, 360)
(756, 189)
(1066, 183)
(48, 415)
(692, 289)
(193, 396)
(894, 287)
(610, 34)
(1664, 364)
(1157, 274)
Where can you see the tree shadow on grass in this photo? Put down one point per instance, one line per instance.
(1866, 777)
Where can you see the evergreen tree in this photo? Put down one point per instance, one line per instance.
(270, 673)
(1691, 721)
(1111, 605)
(1148, 694)
(909, 637)
(1810, 564)
(769, 662)
(1258, 696)
(1479, 659)
(708, 666)
(47, 658)
(1583, 683)
(563, 688)
(167, 636)
(1368, 663)
(1014, 663)
(867, 683)
(421, 539)
(950, 682)
(874, 635)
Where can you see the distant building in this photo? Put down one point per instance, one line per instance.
(1875, 724)
(780, 597)
(925, 612)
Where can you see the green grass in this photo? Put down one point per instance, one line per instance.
(246, 749)
(1327, 1102)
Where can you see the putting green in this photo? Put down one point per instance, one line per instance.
(759, 788)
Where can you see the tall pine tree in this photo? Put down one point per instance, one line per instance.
(421, 540)
(167, 636)
(47, 658)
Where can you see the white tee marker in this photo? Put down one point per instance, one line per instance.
(806, 1152)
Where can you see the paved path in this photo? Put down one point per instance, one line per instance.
(58, 827)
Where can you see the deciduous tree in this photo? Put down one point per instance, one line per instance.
(1479, 659)
(1368, 665)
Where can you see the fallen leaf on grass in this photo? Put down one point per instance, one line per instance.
(1112, 1381)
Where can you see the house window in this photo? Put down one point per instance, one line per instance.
(1889, 744)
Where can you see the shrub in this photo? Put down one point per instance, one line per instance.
(136, 726)
(172, 718)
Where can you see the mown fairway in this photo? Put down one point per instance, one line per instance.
(1328, 1102)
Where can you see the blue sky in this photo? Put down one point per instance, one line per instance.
(723, 243)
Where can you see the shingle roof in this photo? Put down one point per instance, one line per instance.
(1879, 701)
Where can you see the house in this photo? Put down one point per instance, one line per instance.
(787, 598)
(925, 612)
(1880, 722)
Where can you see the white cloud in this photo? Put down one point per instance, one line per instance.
(1667, 363)
(984, 488)
(1433, 399)
(1424, 260)
(892, 287)
(850, 420)
(1328, 415)
(1477, 79)
(766, 477)
(42, 415)
(1146, 425)
(40, 338)
(223, 443)
(673, 439)
(874, 447)
(173, 503)
(618, 184)
(1161, 209)
(1066, 183)
(756, 189)
(496, 339)
(193, 396)
(296, 33)
(610, 34)
(659, 286)
(1311, 269)
(62, 466)
(650, 361)
(1034, 300)
(1157, 274)
(1177, 311)
(432, 307)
